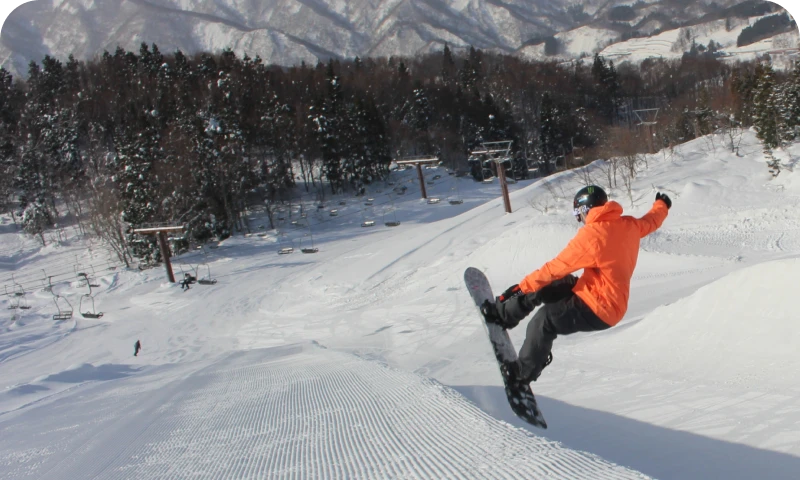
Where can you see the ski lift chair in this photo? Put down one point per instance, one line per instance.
(11, 297)
(65, 313)
(89, 314)
(207, 280)
(394, 222)
(93, 313)
(312, 248)
(19, 293)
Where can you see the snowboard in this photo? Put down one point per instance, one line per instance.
(519, 394)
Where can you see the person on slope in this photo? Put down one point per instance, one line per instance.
(606, 248)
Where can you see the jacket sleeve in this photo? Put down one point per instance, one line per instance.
(653, 219)
(579, 253)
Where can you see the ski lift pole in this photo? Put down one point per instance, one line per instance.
(501, 174)
(418, 162)
(421, 181)
(161, 235)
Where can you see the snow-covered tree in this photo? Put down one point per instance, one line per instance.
(789, 106)
(137, 154)
(36, 220)
(9, 105)
(766, 117)
(765, 109)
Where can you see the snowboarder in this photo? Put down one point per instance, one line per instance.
(606, 248)
(136, 347)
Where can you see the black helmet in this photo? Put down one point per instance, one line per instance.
(588, 198)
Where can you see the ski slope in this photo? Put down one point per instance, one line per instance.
(672, 44)
(298, 411)
(367, 360)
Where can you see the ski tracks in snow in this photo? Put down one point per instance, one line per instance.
(297, 411)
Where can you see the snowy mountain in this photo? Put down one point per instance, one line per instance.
(367, 358)
(290, 31)
(669, 44)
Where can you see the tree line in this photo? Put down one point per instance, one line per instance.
(135, 138)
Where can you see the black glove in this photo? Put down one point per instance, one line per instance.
(511, 291)
(664, 198)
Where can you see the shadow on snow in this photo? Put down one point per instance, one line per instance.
(653, 450)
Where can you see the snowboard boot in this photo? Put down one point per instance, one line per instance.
(535, 376)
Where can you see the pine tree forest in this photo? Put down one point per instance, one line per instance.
(138, 138)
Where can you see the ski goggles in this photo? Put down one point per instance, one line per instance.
(582, 210)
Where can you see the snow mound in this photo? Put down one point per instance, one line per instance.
(738, 327)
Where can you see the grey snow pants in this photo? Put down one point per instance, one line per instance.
(562, 313)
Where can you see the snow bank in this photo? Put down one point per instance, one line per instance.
(741, 326)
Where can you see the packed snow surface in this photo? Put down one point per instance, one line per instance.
(367, 359)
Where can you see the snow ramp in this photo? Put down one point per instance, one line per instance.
(299, 411)
(738, 330)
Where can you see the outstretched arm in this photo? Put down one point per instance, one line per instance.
(653, 219)
(579, 253)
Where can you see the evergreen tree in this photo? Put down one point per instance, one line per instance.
(703, 113)
(470, 73)
(608, 86)
(765, 110)
(9, 104)
(329, 127)
(35, 220)
(448, 66)
(766, 116)
(45, 151)
(550, 134)
(789, 106)
(137, 153)
(420, 109)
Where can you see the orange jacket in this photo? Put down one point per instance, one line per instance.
(606, 248)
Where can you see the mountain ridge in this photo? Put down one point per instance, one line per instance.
(288, 32)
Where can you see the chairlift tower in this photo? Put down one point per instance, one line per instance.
(419, 162)
(161, 235)
(647, 118)
(499, 153)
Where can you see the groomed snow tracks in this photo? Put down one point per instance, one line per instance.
(287, 412)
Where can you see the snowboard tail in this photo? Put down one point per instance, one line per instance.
(519, 394)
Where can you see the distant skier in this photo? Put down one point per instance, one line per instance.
(136, 347)
(606, 248)
(188, 279)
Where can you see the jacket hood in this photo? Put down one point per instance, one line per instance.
(610, 211)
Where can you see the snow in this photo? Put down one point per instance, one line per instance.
(367, 359)
(668, 44)
(576, 43)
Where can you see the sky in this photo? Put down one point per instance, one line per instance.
(368, 359)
